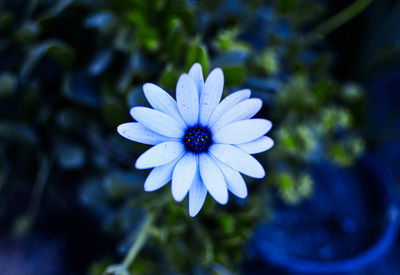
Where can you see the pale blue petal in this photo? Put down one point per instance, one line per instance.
(227, 103)
(213, 178)
(137, 132)
(160, 154)
(161, 101)
(159, 176)
(243, 110)
(237, 159)
(188, 100)
(257, 146)
(211, 94)
(197, 195)
(234, 180)
(242, 131)
(158, 122)
(196, 73)
(183, 176)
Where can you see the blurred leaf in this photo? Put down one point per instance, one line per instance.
(102, 21)
(112, 109)
(93, 196)
(8, 84)
(58, 7)
(286, 6)
(100, 62)
(120, 185)
(269, 61)
(168, 77)
(234, 75)
(20, 132)
(204, 59)
(5, 19)
(27, 32)
(175, 40)
(117, 269)
(234, 58)
(56, 48)
(69, 155)
(81, 88)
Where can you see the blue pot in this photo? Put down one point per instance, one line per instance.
(350, 222)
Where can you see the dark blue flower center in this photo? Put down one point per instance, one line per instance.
(197, 139)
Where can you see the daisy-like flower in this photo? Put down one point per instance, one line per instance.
(201, 145)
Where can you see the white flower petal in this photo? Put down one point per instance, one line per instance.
(227, 103)
(188, 100)
(137, 132)
(196, 73)
(237, 159)
(197, 195)
(242, 131)
(257, 146)
(161, 101)
(234, 180)
(213, 178)
(159, 176)
(160, 154)
(243, 110)
(158, 122)
(183, 176)
(211, 94)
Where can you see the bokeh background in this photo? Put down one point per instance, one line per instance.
(328, 73)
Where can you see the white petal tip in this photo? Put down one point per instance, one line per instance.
(132, 112)
(139, 165)
(241, 196)
(193, 213)
(178, 197)
(195, 66)
(121, 130)
(223, 202)
(260, 175)
(222, 199)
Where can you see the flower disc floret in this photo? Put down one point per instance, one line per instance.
(197, 139)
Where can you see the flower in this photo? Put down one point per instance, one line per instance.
(201, 145)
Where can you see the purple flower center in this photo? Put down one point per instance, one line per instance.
(197, 139)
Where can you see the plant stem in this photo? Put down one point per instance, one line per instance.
(25, 222)
(341, 18)
(140, 240)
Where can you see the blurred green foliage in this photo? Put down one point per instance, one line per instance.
(71, 70)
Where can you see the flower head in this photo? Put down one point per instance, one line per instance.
(201, 145)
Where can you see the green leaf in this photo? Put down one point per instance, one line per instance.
(234, 75)
(8, 83)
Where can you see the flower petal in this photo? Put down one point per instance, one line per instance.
(160, 154)
(227, 103)
(234, 180)
(213, 178)
(159, 176)
(243, 110)
(158, 122)
(197, 195)
(161, 101)
(188, 99)
(242, 131)
(137, 132)
(211, 94)
(196, 73)
(237, 159)
(257, 146)
(183, 176)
